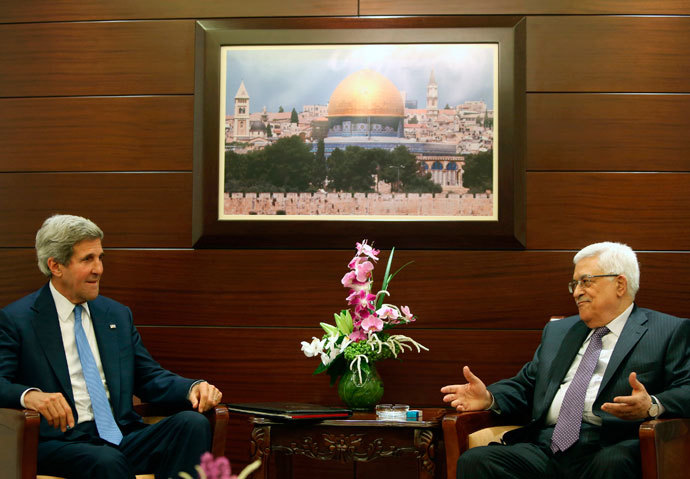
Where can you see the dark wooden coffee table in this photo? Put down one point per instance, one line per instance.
(359, 438)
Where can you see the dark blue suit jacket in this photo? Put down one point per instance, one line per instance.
(32, 355)
(654, 345)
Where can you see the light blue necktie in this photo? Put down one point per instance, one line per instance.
(105, 422)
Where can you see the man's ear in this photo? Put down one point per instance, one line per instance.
(54, 266)
(621, 286)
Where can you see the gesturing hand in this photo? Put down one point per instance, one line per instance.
(52, 406)
(630, 407)
(472, 396)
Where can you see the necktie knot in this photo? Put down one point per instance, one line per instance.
(77, 312)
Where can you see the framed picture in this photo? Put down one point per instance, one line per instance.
(311, 133)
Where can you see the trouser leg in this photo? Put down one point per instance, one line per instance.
(170, 446)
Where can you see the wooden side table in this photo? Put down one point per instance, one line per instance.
(359, 438)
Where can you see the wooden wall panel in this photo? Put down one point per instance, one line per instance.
(70, 10)
(645, 210)
(525, 7)
(462, 289)
(111, 58)
(608, 54)
(134, 209)
(233, 359)
(96, 134)
(585, 132)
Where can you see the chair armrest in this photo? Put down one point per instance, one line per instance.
(456, 429)
(218, 417)
(665, 447)
(19, 442)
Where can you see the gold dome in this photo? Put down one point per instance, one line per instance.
(366, 93)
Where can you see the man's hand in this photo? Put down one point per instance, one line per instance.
(472, 396)
(631, 407)
(204, 396)
(51, 406)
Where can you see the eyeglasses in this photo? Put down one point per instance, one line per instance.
(586, 281)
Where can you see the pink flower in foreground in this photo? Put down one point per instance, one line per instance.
(406, 312)
(367, 250)
(372, 323)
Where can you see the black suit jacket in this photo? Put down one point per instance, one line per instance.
(32, 355)
(654, 345)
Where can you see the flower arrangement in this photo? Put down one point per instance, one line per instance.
(361, 335)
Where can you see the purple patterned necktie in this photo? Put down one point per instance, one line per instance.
(567, 430)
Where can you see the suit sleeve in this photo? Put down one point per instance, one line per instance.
(676, 395)
(10, 345)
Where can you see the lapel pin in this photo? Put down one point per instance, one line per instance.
(112, 326)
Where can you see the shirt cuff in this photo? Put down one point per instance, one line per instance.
(21, 398)
(661, 407)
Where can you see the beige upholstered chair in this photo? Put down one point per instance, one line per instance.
(19, 437)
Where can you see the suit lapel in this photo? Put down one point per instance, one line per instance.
(634, 329)
(47, 328)
(572, 341)
(107, 348)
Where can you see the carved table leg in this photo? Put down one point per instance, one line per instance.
(260, 448)
(425, 444)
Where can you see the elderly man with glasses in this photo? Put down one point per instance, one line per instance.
(593, 379)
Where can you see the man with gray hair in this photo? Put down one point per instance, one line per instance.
(76, 358)
(594, 378)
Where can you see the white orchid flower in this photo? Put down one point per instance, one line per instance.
(314, 348)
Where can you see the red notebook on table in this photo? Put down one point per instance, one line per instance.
(290, 410)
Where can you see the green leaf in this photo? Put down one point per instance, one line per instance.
(386, 279)
(337, 368)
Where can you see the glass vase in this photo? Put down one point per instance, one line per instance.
(364, 394)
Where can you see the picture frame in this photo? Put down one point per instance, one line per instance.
(503, 228)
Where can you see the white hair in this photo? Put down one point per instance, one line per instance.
(614, 258)
(57, 237)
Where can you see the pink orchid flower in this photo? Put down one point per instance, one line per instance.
(358, 335)
(406, 312)
(363, 270)
(367, 250)
(388, 313)
(372, 323)
(361, 299)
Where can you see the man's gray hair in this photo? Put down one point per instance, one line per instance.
(57, 237)
(614, 258)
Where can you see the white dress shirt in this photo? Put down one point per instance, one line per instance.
(608, 342)
(65, 312)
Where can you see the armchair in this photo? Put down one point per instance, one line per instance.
(664, 443)
(19, 437)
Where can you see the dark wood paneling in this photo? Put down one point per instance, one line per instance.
(460, 289)
(134, 209)
(42, 10)
(96, 134)
(111, 58)
(648, 211)
(608, 54)
(608, 132)
(263, 364)
(527, 7)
